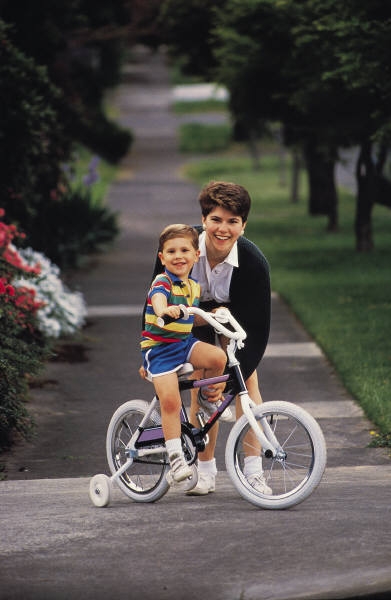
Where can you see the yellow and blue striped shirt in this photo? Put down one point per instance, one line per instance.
(177, 292)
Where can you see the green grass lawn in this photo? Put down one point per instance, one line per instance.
(343, 298)
(201, 138)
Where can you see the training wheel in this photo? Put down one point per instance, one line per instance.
(100, 490)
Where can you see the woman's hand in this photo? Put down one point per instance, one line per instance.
(142, 372)
(213, 392)
(200, 322)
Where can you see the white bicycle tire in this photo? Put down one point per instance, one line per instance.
(133, 485)
(311, 473)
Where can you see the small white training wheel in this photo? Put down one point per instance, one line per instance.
(100, 490)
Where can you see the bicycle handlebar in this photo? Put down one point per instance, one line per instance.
(166, 319)
(216, 320)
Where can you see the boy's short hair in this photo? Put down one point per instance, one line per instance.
(178, 230)
(230, 196)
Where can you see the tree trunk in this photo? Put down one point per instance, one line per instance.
(323, 199)
(296, 167)
(366, 184)
(254, 148)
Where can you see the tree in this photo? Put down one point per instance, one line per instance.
(81, 44)
(257, 60)
(32, 140)
(355, 37)
(187, 31)
(312, 65)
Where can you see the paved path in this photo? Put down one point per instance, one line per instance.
(55, 544)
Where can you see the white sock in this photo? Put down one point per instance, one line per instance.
(174, 446)
(208, 467)
(252, 465)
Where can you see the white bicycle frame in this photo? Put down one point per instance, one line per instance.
(237, 337)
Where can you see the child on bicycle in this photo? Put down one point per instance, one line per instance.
(165, 348)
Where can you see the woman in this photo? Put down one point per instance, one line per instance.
(232, 272)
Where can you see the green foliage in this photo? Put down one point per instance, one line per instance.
(75, 227)
(104, 137)
(80, 42)
(34, 189)
(23, 349)
(22, 355)
(196, 137)
(319, 67)
(186, 28)
(341, 297)
(32, 140)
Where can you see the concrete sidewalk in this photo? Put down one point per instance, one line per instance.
(55, 544)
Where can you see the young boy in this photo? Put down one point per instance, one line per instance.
(166, 348)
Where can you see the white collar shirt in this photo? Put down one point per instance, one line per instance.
(215, 283)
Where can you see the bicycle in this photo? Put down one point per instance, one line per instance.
(289, 439)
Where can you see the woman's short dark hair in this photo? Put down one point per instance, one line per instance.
(230, 196)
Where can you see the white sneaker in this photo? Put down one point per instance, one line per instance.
(180, 470)
(258, 482)
(206, 484)
(211, 407)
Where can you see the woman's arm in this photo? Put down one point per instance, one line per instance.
(250, 296)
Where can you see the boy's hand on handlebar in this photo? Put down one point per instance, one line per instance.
(172, 311)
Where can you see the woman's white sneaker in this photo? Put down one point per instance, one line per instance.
(258, 482)
(210, 408)
(205, 485)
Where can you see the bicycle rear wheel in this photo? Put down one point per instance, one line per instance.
(145, 478)
(296, 472)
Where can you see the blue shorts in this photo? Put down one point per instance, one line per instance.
(168, 358)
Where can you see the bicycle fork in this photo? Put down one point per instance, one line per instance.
(265, 435)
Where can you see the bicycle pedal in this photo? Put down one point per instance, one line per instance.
(201, 418)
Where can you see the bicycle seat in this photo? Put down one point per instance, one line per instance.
(185, 370)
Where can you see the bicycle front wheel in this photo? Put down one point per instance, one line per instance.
(297, 469)
(145, 478)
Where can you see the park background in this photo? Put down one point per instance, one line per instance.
(297, 88)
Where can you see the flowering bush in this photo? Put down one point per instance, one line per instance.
(34, 307)
(62, 312)
(23, 348)
(18, 305)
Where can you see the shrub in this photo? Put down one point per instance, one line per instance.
(35, 309)
(62, 312)
(23, 347)
(105, 137)
(33, 144)
(74, 227)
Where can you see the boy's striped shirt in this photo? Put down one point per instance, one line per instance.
(177, 292)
